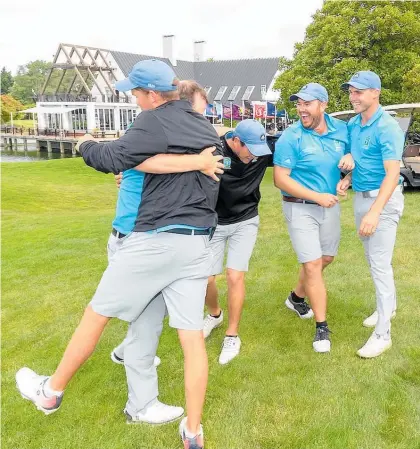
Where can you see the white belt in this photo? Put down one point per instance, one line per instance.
(375, 193)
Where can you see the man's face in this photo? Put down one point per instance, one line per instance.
(199, 103)
(310, 112)
(143, 99)
(242, 151)
(362, 100)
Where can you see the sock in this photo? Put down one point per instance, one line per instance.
(189, 434)
(49, 392)
(216, 316)
(321, 324)
(233, 336)
(297, 298)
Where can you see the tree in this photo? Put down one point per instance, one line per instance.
(345, 37)
(29, 80)
(9, 105)
(6, 81)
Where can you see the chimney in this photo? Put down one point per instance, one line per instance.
(169, 48)
(199, 51)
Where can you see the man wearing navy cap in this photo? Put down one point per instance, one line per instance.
(307, 162)
(168, 250)
(377, 144)
(248, 155)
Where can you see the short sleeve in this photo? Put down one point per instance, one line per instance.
(285, 154)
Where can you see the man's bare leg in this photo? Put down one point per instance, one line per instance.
(79, 349)
(300, 287)
(195, 375)
(236, 298)
(212, 297)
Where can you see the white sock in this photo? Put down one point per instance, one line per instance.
(49, 391)
(189, 434)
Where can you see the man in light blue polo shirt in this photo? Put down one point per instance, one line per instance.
(307, 162)
(377, 144)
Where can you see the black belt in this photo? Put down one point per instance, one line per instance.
(292, 199)
(185, 231)
(118, 234)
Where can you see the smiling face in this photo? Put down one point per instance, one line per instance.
(311, 113)
(363, 99)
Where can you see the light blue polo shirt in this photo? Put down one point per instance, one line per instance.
(129, 199)
(313, 158)
(380, 139)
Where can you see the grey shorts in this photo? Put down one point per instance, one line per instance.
(113, 245)
(313, 230)
(146, 264)
(240, 238)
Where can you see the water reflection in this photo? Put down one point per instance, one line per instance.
(32, 155)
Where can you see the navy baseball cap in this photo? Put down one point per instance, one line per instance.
(151, 74)
(363, 80)
(252, 134)
(310, 92)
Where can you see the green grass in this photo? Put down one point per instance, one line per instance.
(277, 394)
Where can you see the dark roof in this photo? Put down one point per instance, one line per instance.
(230, 73)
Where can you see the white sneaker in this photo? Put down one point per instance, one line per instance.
(120, 361)
(157, 413)
(31, 387)
(230, 349)
(210, 323)
(371, 320)
(322, 342)
(376, 345)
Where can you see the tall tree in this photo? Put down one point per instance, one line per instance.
(6, 81)
(348, 36)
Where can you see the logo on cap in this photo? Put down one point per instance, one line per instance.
(304, 87)
(356, 75)
(150, 85)
(262, 138)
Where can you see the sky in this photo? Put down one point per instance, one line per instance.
(232, 29)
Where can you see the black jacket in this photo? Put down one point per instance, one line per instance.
(181, 198)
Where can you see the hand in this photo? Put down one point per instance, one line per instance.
(210, 164)
(369, 224)
(326, 200)
(82, 139)
(343, 186)
(118, 179)
(346, 162)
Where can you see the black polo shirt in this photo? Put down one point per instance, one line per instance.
(239, 192)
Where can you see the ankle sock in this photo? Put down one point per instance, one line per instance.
(216, 316)
(48, 391)
(321, 324)
(296, 298)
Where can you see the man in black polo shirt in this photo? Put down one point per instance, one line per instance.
(237, 207)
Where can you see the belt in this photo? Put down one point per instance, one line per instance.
(184, 231)
(375, 193)
(118, 234)
(292, 199)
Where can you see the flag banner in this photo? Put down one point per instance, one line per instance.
(226, 111)
(219, 109)
(260, 110)
(271, 109)
(236, 112)
(210, 111)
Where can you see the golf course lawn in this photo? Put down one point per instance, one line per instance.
(277, 394)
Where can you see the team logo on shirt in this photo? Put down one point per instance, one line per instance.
(262, 138)
(366, 142)
(338, 145)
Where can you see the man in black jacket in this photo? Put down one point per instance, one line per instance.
(167, 252)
